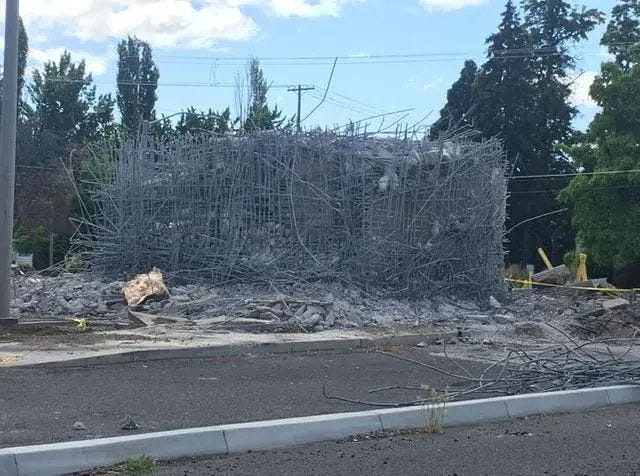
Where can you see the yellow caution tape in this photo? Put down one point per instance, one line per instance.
(581, 274)
(566, 286)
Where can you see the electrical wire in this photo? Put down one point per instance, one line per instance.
(576, 174)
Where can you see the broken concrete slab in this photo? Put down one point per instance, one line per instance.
(530, 329)
(149, 320)
(611, 304)
(592, 283)
(558, 275)
(494, 303)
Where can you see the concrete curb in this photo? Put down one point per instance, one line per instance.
(242, 349)
(60, 458)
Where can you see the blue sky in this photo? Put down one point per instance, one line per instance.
(201, 45)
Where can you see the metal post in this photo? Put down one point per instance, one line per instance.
(50, 250)
(8, 154)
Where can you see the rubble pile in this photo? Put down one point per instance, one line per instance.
(312, 307)
(68, 295)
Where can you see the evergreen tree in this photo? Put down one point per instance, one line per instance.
(192, 121)
(606, 208)
(554, 27)
(23, 51)
(458, 111)
(63, 102)
(503, 95)
(260, 115)
(137, 83)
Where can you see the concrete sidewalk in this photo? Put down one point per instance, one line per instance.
(172, 341)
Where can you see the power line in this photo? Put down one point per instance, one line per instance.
(381, 58)
(343, 105)
(344, 99)
(507, 53)
(355, 101)
(577, 174)
(142, 83)
(324, 97)
(346, 58)
(608, 187)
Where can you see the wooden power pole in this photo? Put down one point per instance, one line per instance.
(299, 89)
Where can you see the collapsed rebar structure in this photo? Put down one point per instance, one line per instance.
(408, 216)
(564, 366)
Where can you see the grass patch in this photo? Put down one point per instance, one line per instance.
(436, 411)
(136, 466)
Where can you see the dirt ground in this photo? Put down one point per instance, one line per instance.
(49, 336)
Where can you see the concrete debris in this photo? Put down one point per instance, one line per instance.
(529, 329)
(592, 283)
(145, 287)
(558, 275)
(68, 295)
(504, 318)
(129, 424)
(311, 321)
(494, 303)
(313, 307)
(611, 304)
(79, 426)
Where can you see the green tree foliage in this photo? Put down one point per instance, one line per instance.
(623, 31)
(555, 26)
(504, 94)
(23, 50)
(63, 114)
(194, 121)
(260, 116)
(66, 110)
(521, 94)
(137, 83)
(162, 127)
(458, 111)
(606, 208)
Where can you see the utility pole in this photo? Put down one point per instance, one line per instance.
(299, 90)
(8, 155)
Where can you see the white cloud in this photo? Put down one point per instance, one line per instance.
(165, 23)
(449, 5)
(580, 86)
(95, 64)
(420, 85)
(306, 8)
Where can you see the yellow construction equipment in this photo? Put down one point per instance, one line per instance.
(544, 257)
(581, 273)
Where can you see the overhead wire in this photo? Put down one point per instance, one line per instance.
(343, 105)
(574, 174)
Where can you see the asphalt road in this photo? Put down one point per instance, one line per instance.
(600, 442)
(42, 405)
